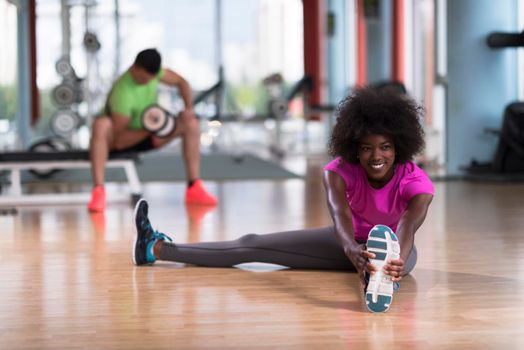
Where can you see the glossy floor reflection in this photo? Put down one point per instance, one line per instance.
(67, 281)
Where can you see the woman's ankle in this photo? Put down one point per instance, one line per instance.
(157, 249)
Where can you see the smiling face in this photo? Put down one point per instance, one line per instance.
(376, 154)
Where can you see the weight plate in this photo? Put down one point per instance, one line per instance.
(63, 67)
(64, 122)
(154, 118)
(63, 95)
(168, 129)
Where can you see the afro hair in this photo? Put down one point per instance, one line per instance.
(377, 111)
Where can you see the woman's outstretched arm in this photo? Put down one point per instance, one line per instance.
(341, 214)
(409, 223)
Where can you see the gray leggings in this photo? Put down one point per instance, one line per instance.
(302, 249)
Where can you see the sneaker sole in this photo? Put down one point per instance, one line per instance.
(384, 244)
(133, 247)
(202, 203)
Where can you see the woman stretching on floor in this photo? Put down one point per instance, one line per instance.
(377, 198)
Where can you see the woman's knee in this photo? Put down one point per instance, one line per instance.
(251, 239)
(411, 261)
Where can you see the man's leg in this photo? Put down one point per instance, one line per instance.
(188, 128)
(101, 139)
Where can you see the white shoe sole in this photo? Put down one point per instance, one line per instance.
(382, 242)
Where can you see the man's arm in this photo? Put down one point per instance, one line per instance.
(409, 223)
(173, 79)
(124, 137)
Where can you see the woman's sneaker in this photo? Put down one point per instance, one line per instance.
(146, 237)
(384, 244)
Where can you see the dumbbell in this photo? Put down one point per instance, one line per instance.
(158, 121)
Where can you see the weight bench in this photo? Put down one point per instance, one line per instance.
(15, 162)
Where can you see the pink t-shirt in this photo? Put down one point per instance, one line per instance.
(372, 206)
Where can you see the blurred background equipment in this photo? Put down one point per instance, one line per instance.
(509, 155)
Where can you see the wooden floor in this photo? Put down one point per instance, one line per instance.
(67, 281)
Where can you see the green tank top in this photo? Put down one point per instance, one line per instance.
(131, 99)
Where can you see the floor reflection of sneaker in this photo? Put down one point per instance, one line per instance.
(196, 213)
(98, 219)
(197, 194)
(379, 291)
(146, 237)
(98, 199)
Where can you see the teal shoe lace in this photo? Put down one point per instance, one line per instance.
(159, 236)
(155, 237)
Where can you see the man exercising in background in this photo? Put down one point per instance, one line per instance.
(120, 128)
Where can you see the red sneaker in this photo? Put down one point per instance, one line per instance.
(197, 194)
(98, 199)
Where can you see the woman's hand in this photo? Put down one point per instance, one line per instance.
(395, 269)
(359, 256)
